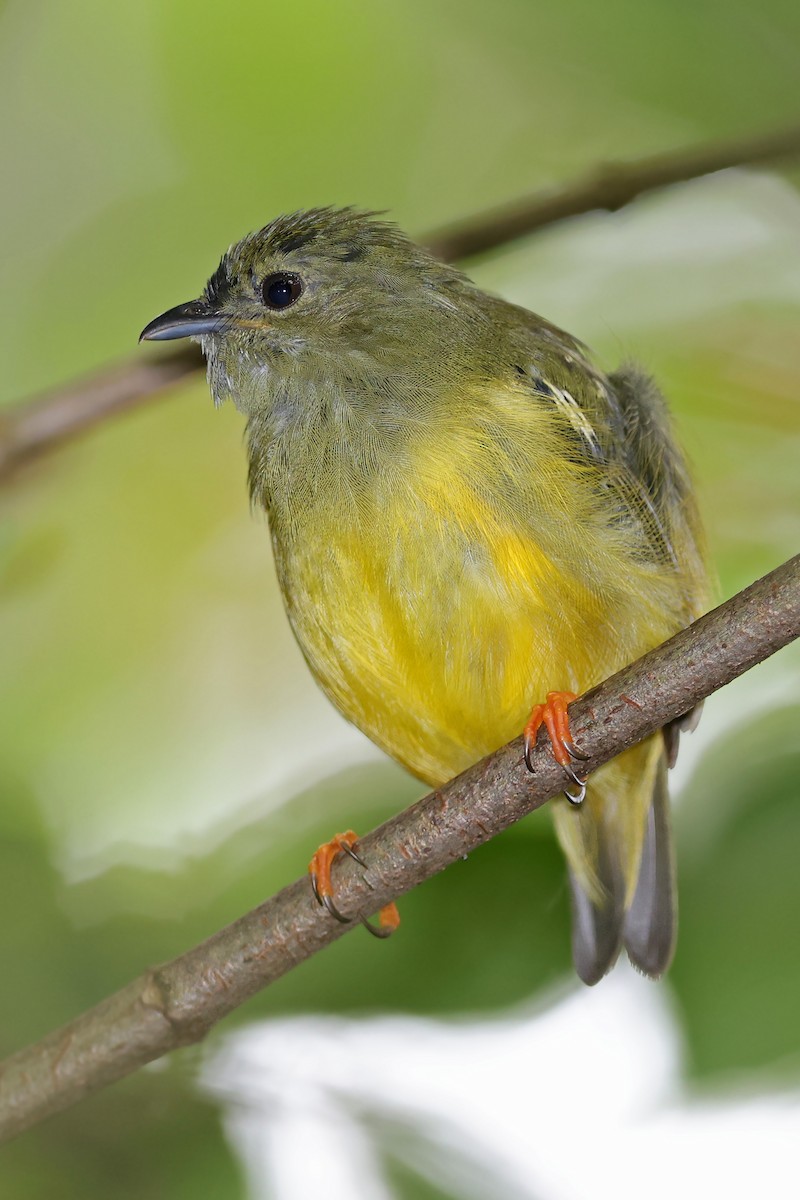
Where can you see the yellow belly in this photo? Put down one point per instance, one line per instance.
(479, 569)
(435, 634)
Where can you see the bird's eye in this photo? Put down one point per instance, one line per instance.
(281, 289)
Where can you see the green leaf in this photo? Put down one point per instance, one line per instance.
(737, 971)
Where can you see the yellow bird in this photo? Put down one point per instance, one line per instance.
(466, 514)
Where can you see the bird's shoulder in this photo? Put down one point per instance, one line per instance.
(555, 371)
(617, 425)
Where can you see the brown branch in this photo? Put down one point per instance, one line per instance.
(41, 424)
(44, 423)
(609, 188)
(177, 1004)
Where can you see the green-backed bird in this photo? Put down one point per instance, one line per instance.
(466, 514)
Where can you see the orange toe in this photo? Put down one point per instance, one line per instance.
(388, 920)
(320, 871)
(555, 718)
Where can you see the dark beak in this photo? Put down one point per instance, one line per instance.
(186, 320)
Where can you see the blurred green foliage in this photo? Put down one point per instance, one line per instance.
(156, 776)
(737, 976)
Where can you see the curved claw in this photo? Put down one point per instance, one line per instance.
(333, 910)
(580, 784)
(388, 921)
(528, 753)
(355, 857)
(378, 931)
(575, 753)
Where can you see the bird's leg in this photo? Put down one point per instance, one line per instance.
(555, 718)
(320, 871)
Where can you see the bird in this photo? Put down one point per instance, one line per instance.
(467, 514)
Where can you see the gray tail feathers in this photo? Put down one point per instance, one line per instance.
(596, 934)
(650, 924)
(642, 918)
(597, 923)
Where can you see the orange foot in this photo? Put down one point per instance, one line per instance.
(553, 715)
(320, 871)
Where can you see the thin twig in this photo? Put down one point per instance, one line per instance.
(43, 423)
(177, 1004)
(608, 188)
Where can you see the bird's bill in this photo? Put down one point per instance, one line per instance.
(185, 320)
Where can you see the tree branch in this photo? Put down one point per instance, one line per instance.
(45, 422)
(177, 1004)
(608, 189)
(35, 426)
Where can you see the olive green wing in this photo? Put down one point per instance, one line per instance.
(655, 469)
(619, 425)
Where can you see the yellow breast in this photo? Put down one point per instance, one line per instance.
(432, 615)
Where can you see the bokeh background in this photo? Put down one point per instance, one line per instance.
(156, 773)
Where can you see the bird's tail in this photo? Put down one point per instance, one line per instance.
(619, 850)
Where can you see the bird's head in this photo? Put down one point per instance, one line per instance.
(327, 293)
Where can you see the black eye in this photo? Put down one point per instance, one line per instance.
(281, 290)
